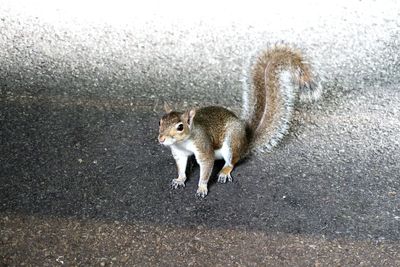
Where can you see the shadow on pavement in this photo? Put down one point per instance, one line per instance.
(87, 162)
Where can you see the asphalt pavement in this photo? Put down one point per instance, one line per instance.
(85, 182)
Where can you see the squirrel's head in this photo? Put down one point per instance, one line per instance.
(175, 126)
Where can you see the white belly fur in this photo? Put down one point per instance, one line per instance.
(188, 148)
(224, 152)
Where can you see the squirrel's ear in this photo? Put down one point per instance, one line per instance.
(167, 107)
(189, 115)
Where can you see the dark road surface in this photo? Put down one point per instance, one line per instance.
(83, 181)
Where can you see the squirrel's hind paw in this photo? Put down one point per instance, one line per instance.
(225, 174)
(222, 177)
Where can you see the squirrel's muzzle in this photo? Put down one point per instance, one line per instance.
(161, 139)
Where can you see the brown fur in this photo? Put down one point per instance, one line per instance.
(226, 170)
(209, 132)
(167, 124)
(213, 121)
(265, 76)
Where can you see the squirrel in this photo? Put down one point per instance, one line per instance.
(277, 77)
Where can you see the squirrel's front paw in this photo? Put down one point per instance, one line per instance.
(202, 190)
(179, 182)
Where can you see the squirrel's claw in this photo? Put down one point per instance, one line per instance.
(176, 183)
(202, 191)
(223, 177)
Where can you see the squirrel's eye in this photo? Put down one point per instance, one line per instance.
(159, 123)
(180, 127)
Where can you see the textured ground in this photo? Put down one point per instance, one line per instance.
(84, 182)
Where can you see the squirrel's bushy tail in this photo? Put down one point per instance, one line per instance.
(277, 78)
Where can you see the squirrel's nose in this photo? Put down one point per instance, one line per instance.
(161, 139)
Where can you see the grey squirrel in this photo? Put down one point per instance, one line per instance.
(277, 76)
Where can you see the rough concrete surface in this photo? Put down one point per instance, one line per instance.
(84, 182)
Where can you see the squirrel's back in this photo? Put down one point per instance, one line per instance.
(215, 122)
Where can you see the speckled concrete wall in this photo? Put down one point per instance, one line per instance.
(128, 50)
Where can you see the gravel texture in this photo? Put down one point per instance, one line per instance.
(57, 242)
(84, 182)
(155, 50)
